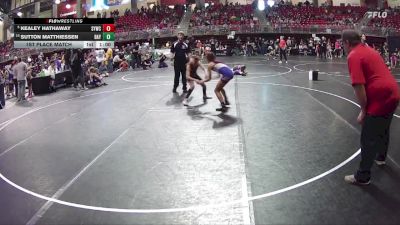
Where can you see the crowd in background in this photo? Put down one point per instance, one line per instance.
(228, 14)
(158, 17)
(286, 14)
(90, 67)
(163, 20)
(391, 21)
(320, 47)
(38, 66)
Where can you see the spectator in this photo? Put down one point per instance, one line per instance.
(10, 82)
(14, 76)
(103, 69)
(67, 59)
(116, 61)
(29, 81)
(51, 71)
(162, 63)
(109, 60)
(76, 68)
(94, 77)
(370, 79)
(123, 66)
(323, 47)
(393, 60)
(19, 70)
(2, 88)
(282, 49)
(146, 62)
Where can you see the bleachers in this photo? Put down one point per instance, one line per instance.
(158, 17)
(295, 16)
(234, 16)
(219, 14)
(391, 21)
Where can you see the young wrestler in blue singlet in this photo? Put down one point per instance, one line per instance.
(226, 75)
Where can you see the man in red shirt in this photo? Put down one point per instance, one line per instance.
(282, 49)
(378, 95)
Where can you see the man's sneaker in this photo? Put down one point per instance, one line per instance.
(206, 98)
(280, 62)
(174, 90)
(286, 62)
(185, 102)
(352, 180)
(380, 162)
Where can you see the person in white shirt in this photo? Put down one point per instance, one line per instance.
(100, 56)
(116, 61)
(51, 71)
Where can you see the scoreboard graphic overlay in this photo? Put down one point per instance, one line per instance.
(64, 33)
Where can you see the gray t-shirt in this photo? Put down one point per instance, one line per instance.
(20, 69)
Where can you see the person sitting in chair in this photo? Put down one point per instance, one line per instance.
(123, 66)
(146, 62)
(162, 63)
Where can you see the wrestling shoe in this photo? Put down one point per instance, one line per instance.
(185, 102)
(222, 109)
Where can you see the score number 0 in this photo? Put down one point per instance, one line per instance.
(108, 28)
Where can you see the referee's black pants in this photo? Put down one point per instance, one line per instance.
(374, 144)
(180, 69)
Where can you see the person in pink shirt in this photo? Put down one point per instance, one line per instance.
(282, 49)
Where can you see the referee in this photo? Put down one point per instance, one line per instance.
(181, 52)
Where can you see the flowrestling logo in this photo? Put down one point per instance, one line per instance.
(376, 14)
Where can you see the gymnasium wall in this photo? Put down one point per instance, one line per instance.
(121, 9)
(351, 2)
(173, 2)
(242, 2)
